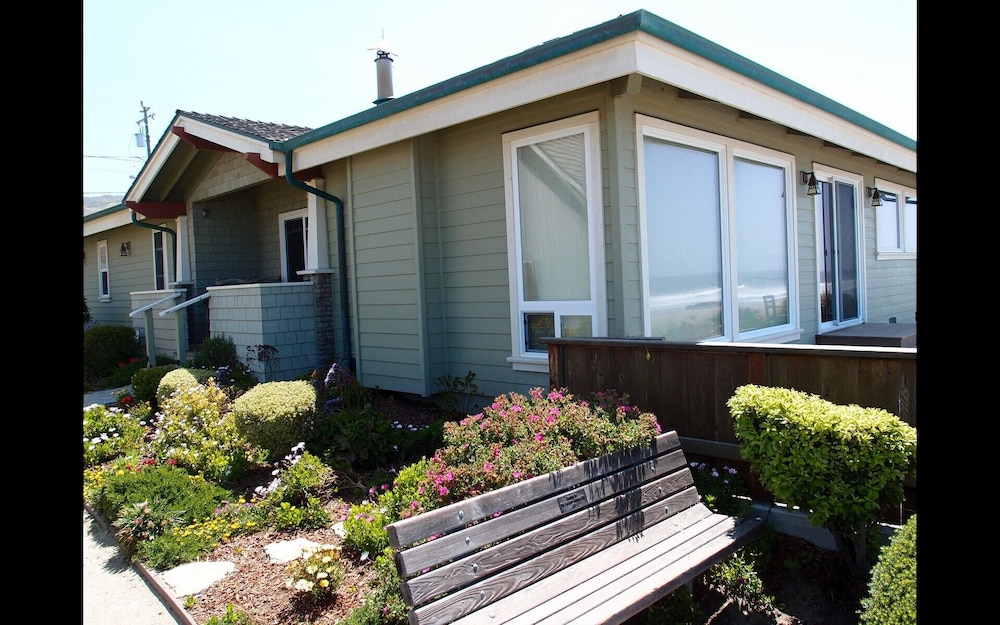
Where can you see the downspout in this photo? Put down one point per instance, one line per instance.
(173, 238)
(345, 338)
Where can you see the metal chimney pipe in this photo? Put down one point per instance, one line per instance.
(383, 70)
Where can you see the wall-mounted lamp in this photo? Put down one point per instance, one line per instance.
(204, 212)
(809, 179)
(875, 195)
(126, 248)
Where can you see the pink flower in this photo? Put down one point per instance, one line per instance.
(442, 490)
(488, 467)
(539, 437)
(517, 475)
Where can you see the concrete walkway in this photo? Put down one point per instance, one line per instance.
(116, 592)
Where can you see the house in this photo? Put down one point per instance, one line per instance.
(628, 180)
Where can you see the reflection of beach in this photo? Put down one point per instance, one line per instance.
(749, 297)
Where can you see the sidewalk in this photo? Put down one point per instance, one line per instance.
(116, 592)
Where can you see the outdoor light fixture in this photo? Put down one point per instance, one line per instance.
(809, 179)
(126, 248)
(874, 194)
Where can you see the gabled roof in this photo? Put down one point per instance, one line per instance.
(633, 45)
(258, 130)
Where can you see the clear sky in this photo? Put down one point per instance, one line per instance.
(308, 62)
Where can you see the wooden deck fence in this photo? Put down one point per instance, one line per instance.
(687, 385)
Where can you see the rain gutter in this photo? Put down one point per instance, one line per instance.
(341, 255)
(173, 238)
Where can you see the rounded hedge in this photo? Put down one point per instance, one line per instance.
(181, 378)
(276, 415)
(892, 591)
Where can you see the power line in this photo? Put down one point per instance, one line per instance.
(115, 158)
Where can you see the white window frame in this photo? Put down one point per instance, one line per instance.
(596, 307)
(282, 218)
(831, 175)
(727, 150)
(896, 226)
(103, 271)
(164, 257)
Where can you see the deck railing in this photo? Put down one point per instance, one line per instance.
(687, 385)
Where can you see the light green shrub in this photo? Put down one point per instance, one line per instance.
(180, 378)
(892, 591)
(197, 430)
(842, 464)
(275, 416)
(109, 433)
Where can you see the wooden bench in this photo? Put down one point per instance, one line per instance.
(595, 542)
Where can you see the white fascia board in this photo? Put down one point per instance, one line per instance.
(631, 53)
(152, 167)
(227, 138)
(108, 222)
(672, 65)
(593, 65)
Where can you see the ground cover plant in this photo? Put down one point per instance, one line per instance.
(239, 501)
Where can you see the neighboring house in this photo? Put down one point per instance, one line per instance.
(631, 179)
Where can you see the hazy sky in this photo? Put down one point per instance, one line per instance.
(308, 62)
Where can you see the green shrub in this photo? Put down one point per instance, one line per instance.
(215, 352)
(105, 347)
(677, 608)
(276, 415)
(384, 604)
(184, 377)
(145, 382)
(842, 464)
(892, 590)
(197, 430)
(187, 496)
(109, 433)
(232, 617)
(365, 523)
(86, 311)
(362, 437)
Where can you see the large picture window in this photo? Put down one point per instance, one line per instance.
(716, 221)
(554, 233)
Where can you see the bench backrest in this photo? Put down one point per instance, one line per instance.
(457, 559)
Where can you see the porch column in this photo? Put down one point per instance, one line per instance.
(318, 242)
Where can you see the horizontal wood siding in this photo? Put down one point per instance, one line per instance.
(386, 270)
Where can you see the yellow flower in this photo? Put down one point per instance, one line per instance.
(324, 583)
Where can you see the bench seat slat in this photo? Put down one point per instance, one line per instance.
(646, 570)
(596, 542)
(599, 526)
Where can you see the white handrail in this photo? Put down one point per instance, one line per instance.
(185, 304)
(139, 311)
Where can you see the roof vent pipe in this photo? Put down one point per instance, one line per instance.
(383, 70)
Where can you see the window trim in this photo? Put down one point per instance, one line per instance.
(895, 253)
(103, 294)
(832, 174)
(727, 150)
(282, 218)
(589, 125)
(164, 253)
